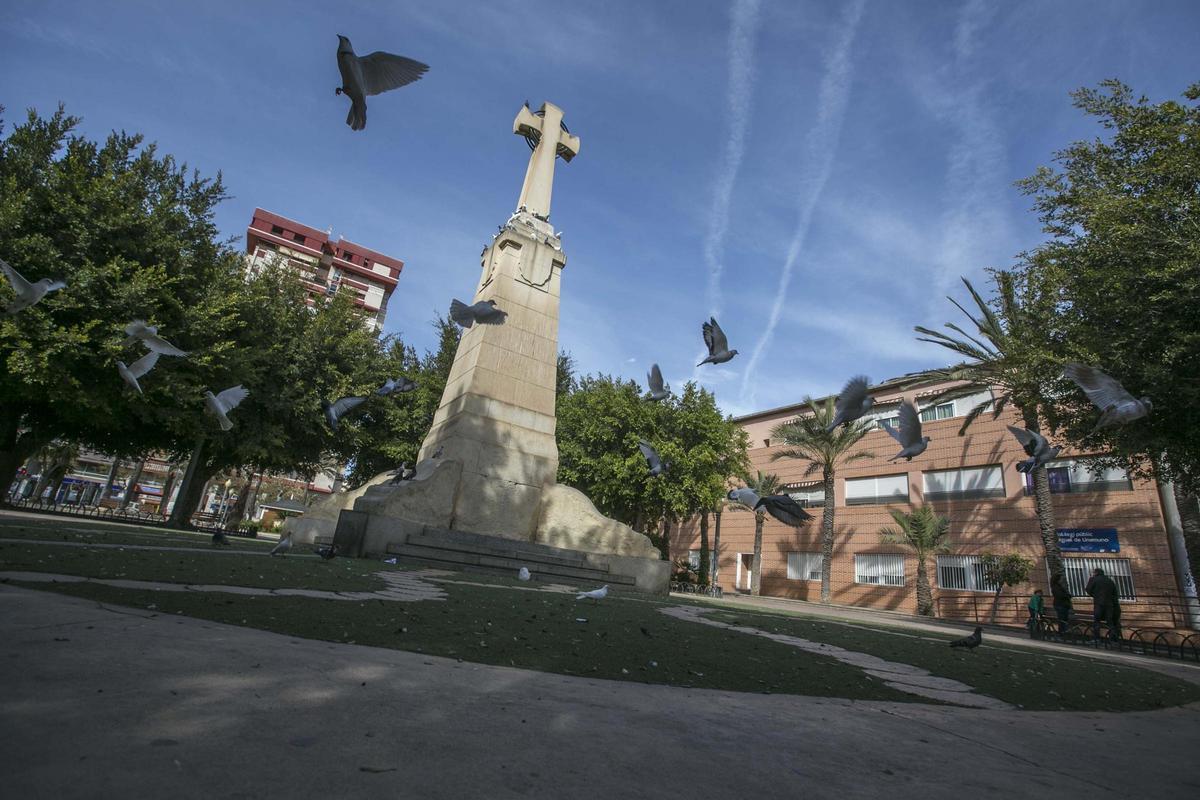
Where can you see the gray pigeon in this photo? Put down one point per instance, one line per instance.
(373, 74)
(784, 508)
(853, 402)
(335, 411)
(27, 293)
(745, 495)
(137, 369)
(484, 312)
(218, 538)
(403, 473)
(138, 330)
(1118, 406)
(595, 594)
(717, 344)
(399, 385)
(326, 551)
(285, 544)
(657, 466)
(970, 642)
(912, 443)
(658, 389)
(1036, 447)
(221, 404)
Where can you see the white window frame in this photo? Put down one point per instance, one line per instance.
(804, 566)
(973, 577)
(879, 569)
(962, 473)
(1079, 570)
(694, 559)
(804, 495)
(875, 499)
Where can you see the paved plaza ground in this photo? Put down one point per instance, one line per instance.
(131, 698)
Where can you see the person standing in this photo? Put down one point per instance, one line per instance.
(1106, 604)
(1037, 605)
(1061, 595)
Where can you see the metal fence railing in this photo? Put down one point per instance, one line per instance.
(202, 522)
(1165, 643)
(1148, 611)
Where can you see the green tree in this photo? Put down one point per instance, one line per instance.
(925, 532)
(762, 484)
(1014, 348)
(1008, 569)
(807, 439)
(1122, 212)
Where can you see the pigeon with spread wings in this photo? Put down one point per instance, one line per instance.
(716, 342)
(372, 74)
(28, 293)
(909, 437)
(1118, 406)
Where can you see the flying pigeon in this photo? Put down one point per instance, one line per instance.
(784, 508)
(368, 75)
(970, 642)
(853, 402)
(218, 538)
(594, 594)
(326, 551)
(1036, 447)
(523, 574)
(400, 385)
(335, 411)
(148, 335)
(27, 293)
(717, 344)
(1118, 405)
(137, 369)
(484, 312)
(285, 544)
(221, 404)
(658, 389)
(912, 443)
(745, 495)
(657, 467)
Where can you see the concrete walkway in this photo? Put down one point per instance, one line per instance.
(105, 701)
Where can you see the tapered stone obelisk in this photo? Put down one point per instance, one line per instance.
(494, 428)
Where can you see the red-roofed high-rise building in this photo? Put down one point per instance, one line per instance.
(325, 266)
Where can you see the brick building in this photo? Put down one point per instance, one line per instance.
(325, 266)
(1104, 519)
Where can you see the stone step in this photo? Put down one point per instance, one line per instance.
(503, 548)
(492, 565)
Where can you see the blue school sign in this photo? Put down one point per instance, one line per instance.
(1088, 540)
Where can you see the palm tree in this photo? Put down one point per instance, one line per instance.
(762, 484)
(807, 439)
(1011, 351)
(925, 531)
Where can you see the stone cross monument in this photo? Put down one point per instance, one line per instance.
(491, 496)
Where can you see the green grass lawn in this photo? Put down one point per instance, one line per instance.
(79, 529)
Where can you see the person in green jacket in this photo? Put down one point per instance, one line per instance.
(1037, 604)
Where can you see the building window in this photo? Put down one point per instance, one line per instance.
(278, 231)
(804, 566)
(940, 411)
(962, 572)
(811, 495)
(694, 559)
(348, 256)
(298, 237)
(972, 483)
(1079, 570)
(1069, 477)
(880, 489)
(879, 568)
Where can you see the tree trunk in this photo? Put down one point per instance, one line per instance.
(168, 485)
(248, 510)
(131, 486)
(239, 506)
(664, 544)
(15, 448)
(995, 604)
(704, 566)
(756, 568)
(716, 565)
(106, 490)
(1044, 502)
(194, 481)
(924, 592)
(60, 474)
(827, 536)
(1189, 514)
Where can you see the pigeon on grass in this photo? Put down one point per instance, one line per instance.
(139, 331)
(1036, 447)
(716, 342)
(654, 380)
(523, 574)
(218, 539)
(853, 402)
(285, 544)
(335, 411)
(221, 404)
(137, 369)
(970, 642)
(595, 595)
(27, 293)
(326, 551)
(1118, 406)
(484, 312)
(909, 437)
(372, 74)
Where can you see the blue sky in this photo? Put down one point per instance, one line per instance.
(816, 174)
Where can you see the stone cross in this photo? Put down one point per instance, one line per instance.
(552, 140)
